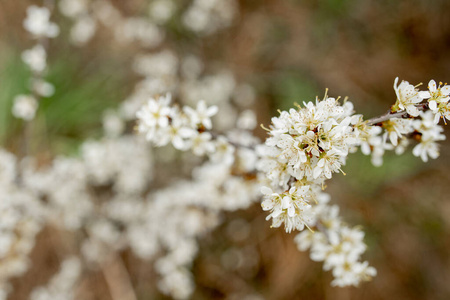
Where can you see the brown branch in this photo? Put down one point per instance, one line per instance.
(118, 279)
(391, 115)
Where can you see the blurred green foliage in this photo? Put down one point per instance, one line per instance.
(74, 112)
(293, 86)
(366, 179)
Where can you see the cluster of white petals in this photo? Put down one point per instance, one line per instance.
(307, 146)
(109, 197)
(62, 285)
(38, 24)
(336, 244)
(311, 143)
(430, 133)
(163, 124)
(396, 132)
(407, 97)
(437, 98)
(24, 107)
(208, 16)
(21, 220)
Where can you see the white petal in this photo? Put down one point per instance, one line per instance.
(266, 190)
(393, 138)
(276, 213)
(424, 156)
(291, 211)
(304, 189)
(207, 123)
(432, 86)
(212, 111)
(412, 110)
(267, 204)
(201, 106)
(424, 94)
(303, 157)
(445, 90)
(365, 148)
(292, 190)
(437, 117)
(417, 150)
(178, 142)
(433, 105)
(286, 202)
(317, 171)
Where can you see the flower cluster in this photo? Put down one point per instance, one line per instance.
(163, 124)
(108, 197)
(310, 143)
(62, 285)
(21, 220)
(38, 24)
(85, 25)
(206, 17)
(336, 244)
(397, 131)
(306, 146)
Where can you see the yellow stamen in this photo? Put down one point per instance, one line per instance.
(312, 231)
(263, 127)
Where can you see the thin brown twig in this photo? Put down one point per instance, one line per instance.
(391, 115)
(118, 279)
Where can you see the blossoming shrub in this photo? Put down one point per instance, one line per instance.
(117, 201)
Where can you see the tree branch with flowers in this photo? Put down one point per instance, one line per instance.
(304, 148)
(108, 198)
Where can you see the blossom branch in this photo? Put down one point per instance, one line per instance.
(391, 115)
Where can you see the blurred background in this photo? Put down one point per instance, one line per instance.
(288, 51)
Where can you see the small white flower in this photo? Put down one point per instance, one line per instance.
(247, 120)
(407, 97)
(113, 125)
(73, 8)
(438, 98)
(35, 58)
(395, 128)
(290, 208)
(155, 112)
(180, 134)
(161, 10)
(42, 88)
(426, 148)
(430, 134)
(201, 115)
(202, 144)
(38, 22)
(25, 107)
(83, 30)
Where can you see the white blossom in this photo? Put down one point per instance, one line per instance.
(38, 22)
(83, 30)
(431, 133)
(35, 58)
(407, 97)
(161, 10)
(201, 115)
(395, 128)
(24, 107)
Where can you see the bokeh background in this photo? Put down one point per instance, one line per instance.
(289, 51)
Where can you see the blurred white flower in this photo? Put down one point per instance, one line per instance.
(35, 58)
(24, 107)
(38, 22)
(407, 97)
